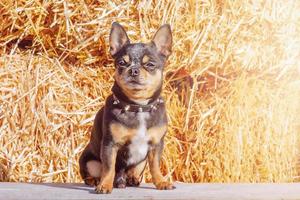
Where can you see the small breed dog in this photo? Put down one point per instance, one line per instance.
(129, 130)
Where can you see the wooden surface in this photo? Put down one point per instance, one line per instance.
(26, 191)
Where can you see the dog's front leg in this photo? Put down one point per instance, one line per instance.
(108, 158)
(157, 178)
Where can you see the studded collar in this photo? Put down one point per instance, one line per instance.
(137, 108)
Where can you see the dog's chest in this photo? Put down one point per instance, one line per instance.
(139, 143)
(135, 141)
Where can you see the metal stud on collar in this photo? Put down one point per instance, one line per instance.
(127, 108)
(135, 108)
(153, 107)
(160, 100)
(116, 102)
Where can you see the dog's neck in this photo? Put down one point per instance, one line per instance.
(119, 94)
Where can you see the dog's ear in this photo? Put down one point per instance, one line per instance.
(117, 38)
(163, 40)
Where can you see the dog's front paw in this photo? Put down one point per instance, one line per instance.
(103, 188)
(164, 185)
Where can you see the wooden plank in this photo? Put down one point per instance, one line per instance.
(26, 191)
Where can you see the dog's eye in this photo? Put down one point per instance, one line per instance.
(150, 65)
(122, 62)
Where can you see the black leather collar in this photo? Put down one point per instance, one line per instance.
(135, 107)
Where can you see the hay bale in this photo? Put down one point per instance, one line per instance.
(231, 86)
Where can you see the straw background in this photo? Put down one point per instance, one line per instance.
(232, 86)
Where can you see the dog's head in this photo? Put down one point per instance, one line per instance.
(139, 66)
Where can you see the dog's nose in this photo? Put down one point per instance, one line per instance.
(134, 71)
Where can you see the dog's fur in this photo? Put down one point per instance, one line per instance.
(123, 139)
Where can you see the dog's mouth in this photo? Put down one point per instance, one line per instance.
(135, 82)
(136, 85)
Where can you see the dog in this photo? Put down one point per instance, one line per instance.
(129, 130)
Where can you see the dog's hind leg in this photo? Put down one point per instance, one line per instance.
(90, 167)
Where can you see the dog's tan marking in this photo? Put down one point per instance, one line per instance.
(157, 177)
(153, 81)
(156, 133)
(108, 174)
(126, 58)
(145, 59)
(153, 159)
(121, 134)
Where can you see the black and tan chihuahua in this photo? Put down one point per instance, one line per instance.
(129, 130)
